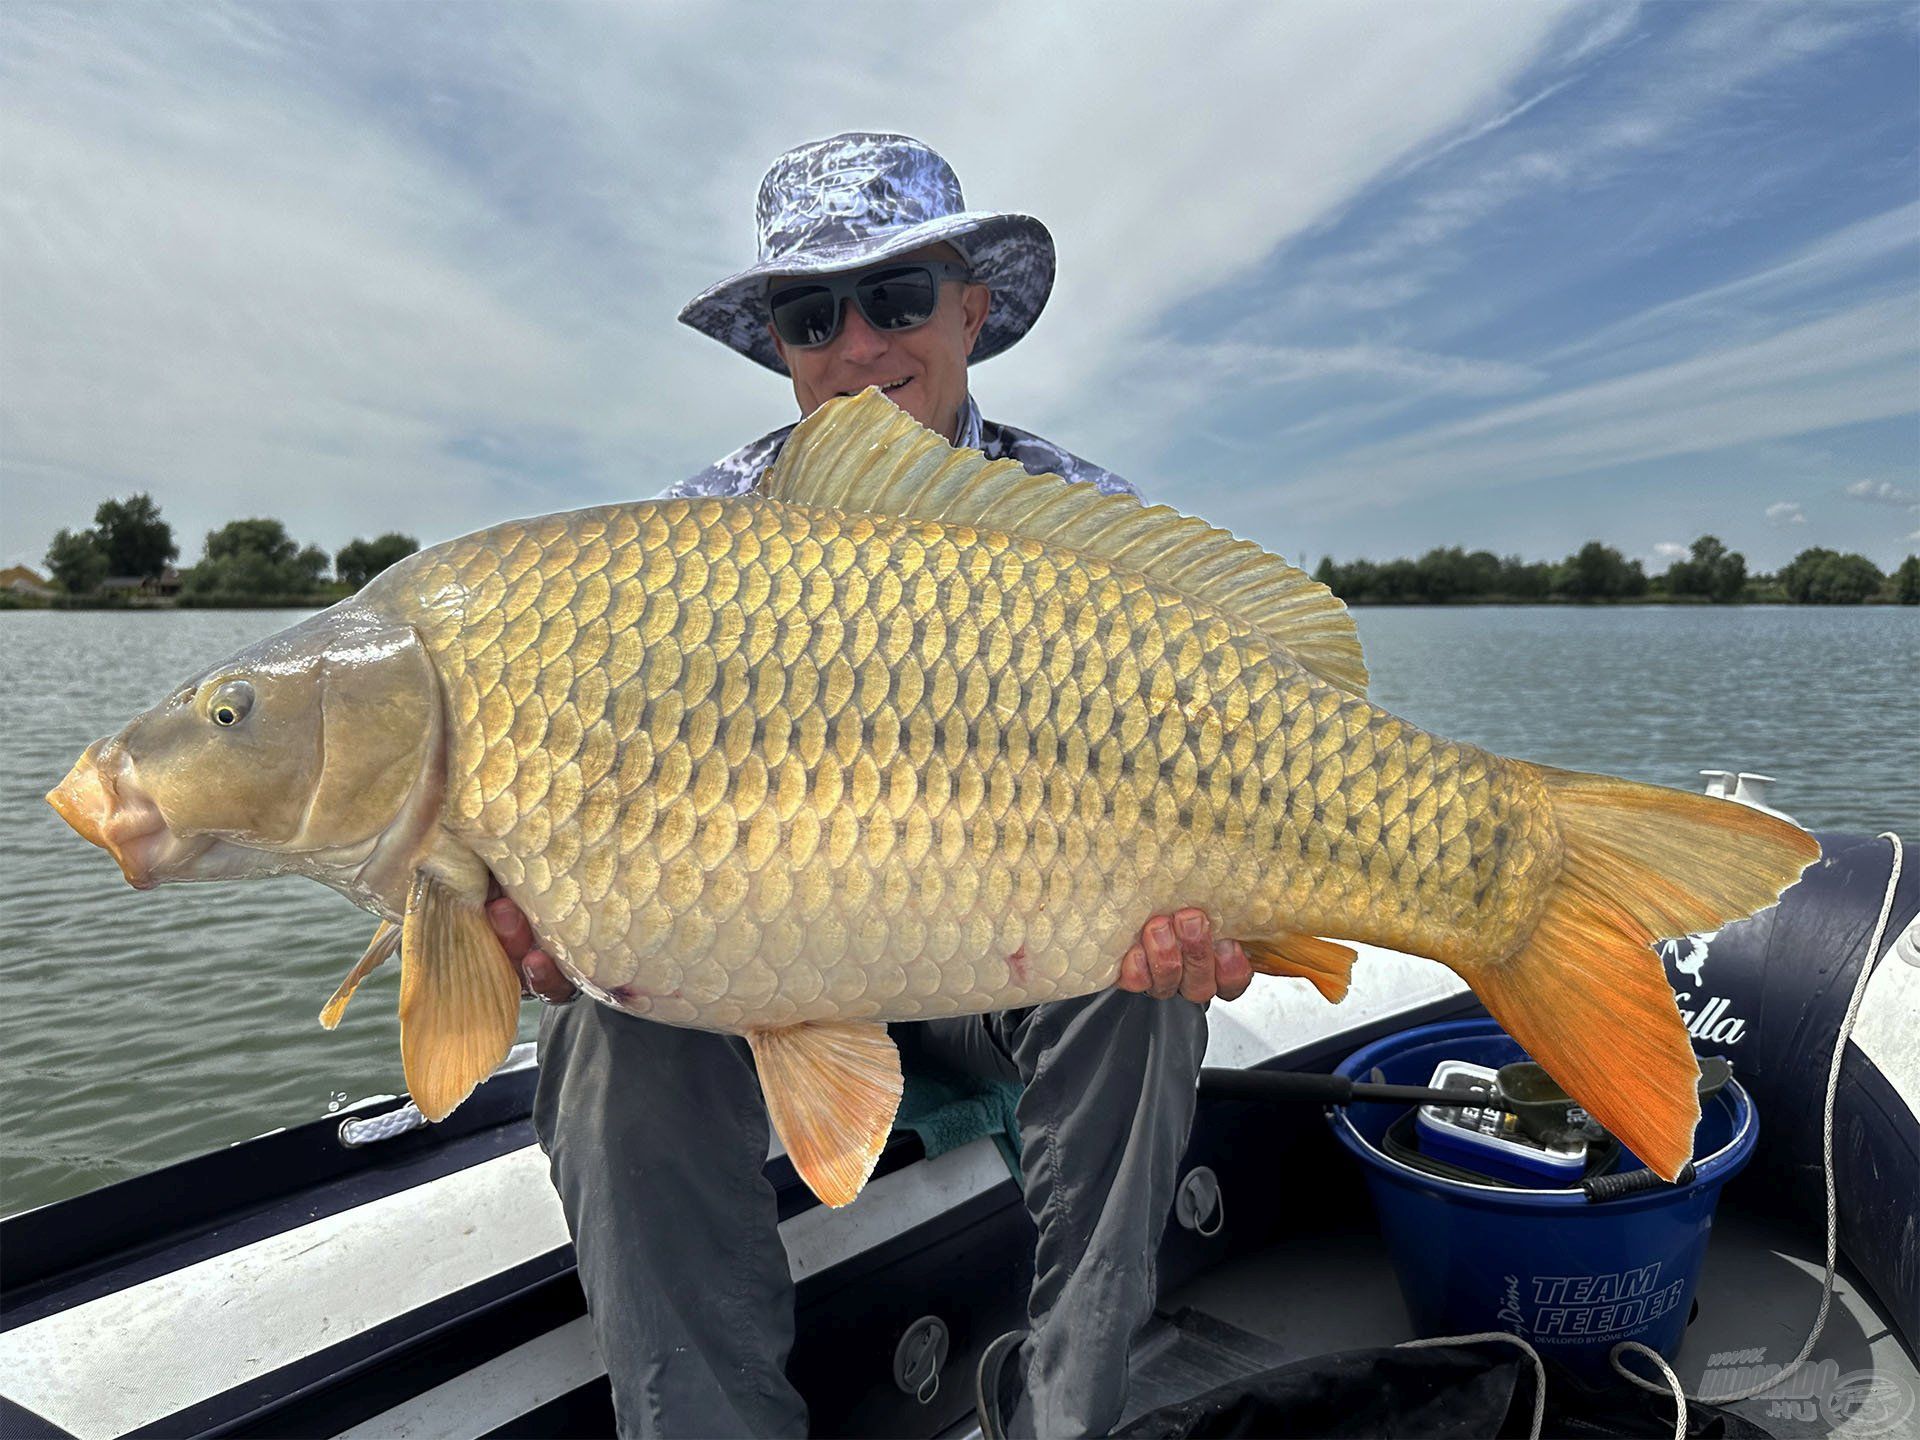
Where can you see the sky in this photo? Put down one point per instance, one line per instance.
(1349, 280)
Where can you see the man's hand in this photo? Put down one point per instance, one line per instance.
(1177, 955)
(540, 978)
(1174, 955)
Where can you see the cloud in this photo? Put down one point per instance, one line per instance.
(1883, 492)
(417, 266)
(1839, 261)
(1670, 550)
(1841, 369)
(1786, 512)
(1718, 57)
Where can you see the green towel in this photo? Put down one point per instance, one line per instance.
(947, 1111)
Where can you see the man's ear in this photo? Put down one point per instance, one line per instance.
(975, 302)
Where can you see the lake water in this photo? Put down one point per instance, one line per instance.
(139, 1029)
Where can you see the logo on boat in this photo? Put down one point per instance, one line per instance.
(1687, 956)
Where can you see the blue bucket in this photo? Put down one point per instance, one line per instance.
(1572, 1276)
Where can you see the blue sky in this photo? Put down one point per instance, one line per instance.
(1356, 280)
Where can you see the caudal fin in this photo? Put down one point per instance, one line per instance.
(1585, 994)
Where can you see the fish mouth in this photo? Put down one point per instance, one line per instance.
(889, 387)
(104, 802)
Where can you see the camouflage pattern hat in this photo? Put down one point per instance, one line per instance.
(844, 203)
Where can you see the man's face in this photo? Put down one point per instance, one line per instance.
(931, 360)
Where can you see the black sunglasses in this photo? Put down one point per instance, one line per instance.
(806, 315)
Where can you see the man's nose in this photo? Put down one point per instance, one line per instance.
(859, 342)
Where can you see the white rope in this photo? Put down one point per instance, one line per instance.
(371, 1130)
(1673, 1381)
(1826, 1163)
(1539, 1369)
(356, 1132)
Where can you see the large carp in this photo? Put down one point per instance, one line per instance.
(905, 734)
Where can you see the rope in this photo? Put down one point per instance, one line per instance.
(371, 1130)
(1673, 1382)
(1539, 1369)
(1826, 1162)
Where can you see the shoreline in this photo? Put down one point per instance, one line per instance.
(1677, 602)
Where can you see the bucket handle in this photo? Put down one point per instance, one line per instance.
(1632, 1182)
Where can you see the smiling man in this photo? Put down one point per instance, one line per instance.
(871, 272)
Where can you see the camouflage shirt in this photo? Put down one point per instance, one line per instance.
(739, 472)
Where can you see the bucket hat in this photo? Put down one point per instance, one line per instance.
(861, 197)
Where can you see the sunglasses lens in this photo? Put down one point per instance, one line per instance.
(899, 298)
(805, 315)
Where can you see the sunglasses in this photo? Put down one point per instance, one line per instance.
(892, 297)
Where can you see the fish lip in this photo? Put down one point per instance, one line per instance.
(106, 806)
(887, 388)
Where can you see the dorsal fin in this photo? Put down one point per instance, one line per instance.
(862, 455)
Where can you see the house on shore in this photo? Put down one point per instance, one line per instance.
(26, 582)
(143, 587)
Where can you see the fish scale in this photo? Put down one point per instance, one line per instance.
(865, 768)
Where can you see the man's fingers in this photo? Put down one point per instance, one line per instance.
(538, 973)
(1134, 975)
(1232, 972)
(543, 978)
(1196, 955)
(516, 936)
(1163, 957)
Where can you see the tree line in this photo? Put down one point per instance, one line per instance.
(255, 561)
(1709, 573)
(129, 550)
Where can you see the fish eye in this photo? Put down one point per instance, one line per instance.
(230, 703)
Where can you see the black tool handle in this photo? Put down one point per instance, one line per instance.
(1329, 1089)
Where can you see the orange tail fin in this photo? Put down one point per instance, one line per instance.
(1585, 994)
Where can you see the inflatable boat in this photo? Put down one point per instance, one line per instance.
(365, 1274)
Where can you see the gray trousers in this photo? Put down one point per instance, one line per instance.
(657, 1137)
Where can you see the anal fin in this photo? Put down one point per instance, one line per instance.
(459, 996)
(1327, 964)
(831, 1090)
(379, 950)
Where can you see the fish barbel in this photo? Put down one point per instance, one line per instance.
(905, 734)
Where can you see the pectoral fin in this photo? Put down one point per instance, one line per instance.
(459, 997)
(379, 950)
(1327, 964)
(831, 1090)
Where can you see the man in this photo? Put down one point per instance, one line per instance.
(871, 272)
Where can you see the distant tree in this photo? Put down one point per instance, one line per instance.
(1906, 581)
(1819, 576)
(1483, 573)
(1711, 571)
(1523, 581)
(1600, 572)
(133, 537)
(1397, 582)
(1327, 573)
(358, 561)
(255, 559)
(1441, 575)
(77, 562)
